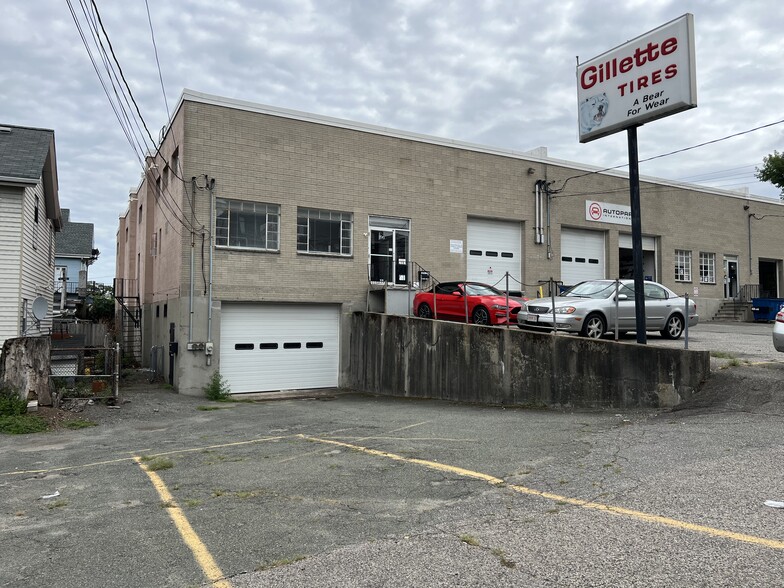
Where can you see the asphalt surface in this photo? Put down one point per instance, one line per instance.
(354, 490)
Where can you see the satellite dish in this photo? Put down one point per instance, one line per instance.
(40, 308)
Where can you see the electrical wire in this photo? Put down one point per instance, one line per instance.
(157, 61)
(733, 135)
(126, 132)
(140, 151)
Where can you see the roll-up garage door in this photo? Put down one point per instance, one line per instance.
(494, 248)
(582, 256)
(625, 242)
(265, 347)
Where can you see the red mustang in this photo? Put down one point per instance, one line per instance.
(485, 305)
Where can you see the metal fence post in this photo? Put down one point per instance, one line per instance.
(552, 299)
(617, 305)
(686, 333)
(507, 299)
(117, 374)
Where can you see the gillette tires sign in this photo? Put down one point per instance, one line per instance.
(647, 78)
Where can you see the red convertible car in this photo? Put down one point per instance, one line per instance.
(485, 305)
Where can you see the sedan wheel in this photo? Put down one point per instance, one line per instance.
(424, 311)
(480, 316)
(594, 326)
(674, 327)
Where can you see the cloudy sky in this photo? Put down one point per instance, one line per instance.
(495, 72)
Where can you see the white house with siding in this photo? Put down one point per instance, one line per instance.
(29, 217)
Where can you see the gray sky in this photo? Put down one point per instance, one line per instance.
(500, 73)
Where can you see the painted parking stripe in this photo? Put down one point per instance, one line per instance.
(122, 459)
(200, 552)
(615, 510)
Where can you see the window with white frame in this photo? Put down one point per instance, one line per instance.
(324, 231)
(252, 225)
(682, 265)
(707, 268)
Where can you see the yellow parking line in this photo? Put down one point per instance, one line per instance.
(200, 552)
(122, 459)
(616, 510)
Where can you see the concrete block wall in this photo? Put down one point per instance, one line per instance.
(417, 358)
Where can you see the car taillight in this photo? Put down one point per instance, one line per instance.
(780, 317)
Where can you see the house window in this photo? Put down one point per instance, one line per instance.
(35, 225)
(253, 225)
(682, 265)
(23, 322)
(153, 245)
(707, 268)
(324, 231)
(175, 163)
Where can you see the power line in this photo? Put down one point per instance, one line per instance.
(155, 47)
(127, 95)
(778, 122)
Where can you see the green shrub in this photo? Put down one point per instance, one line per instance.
(218, 389)
(22, 424)
(11, 404)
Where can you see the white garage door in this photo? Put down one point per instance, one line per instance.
(268, 347)
(494, 248)
(625, 242)
(582, 256)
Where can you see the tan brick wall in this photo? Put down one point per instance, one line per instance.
(291, 162)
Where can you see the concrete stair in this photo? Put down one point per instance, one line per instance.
(734, 310)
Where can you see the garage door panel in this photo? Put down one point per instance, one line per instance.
(582, 256)
(494, 248)
(279, 347)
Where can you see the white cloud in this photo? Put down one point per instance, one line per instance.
(494, 72)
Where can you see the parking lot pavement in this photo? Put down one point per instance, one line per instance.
(748, 342)
(356, 490)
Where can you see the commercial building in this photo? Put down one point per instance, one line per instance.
(255, 231)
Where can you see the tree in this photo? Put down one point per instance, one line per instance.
(772, 171)
(102, 307)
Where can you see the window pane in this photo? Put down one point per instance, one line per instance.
(324, 231)
(246, 224)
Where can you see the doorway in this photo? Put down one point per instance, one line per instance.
(768, 279)
(730, 276)
(388, 250)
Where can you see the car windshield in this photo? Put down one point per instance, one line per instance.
(591, 290)
(482, 290)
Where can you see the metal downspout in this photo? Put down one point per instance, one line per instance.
(193, 246)
(211, 186)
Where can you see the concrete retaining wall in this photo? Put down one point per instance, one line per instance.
(417, 358)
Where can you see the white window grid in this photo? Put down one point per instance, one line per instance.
(707, 268)
(247, 225)
(305, 221)
(682, 265)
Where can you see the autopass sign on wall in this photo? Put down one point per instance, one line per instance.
(605, 212)
(647, 78)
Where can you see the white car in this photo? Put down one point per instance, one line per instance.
(778, 331)
(589, 308)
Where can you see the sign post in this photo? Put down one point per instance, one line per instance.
(634, 196)
(645, 79)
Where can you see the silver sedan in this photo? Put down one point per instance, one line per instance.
(590, 309)
(778, 331)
